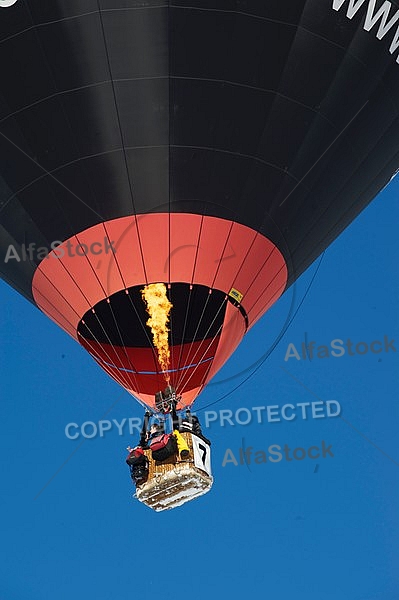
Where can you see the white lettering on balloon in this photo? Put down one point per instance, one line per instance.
(375, 15)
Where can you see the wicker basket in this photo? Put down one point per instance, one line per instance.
(173, 482)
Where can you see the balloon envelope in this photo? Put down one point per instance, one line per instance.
(217, 148)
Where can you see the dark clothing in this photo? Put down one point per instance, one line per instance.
(166, 451)
(143, 443)
(138, 467)
(144, 431)
(191, 424)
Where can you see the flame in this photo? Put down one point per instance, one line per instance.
(158, 307)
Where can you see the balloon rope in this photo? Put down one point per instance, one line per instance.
(232, 283)
(93, 311)
(194, 336)
(111, 309)
(180, 382)
(73, 326)
(214, 279)
(274, 345)
(211, 286)
(143, 326)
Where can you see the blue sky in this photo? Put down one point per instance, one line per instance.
(301, 530)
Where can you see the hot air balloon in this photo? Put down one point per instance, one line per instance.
(216, 149)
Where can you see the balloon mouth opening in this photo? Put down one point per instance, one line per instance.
(116, 334)
(121, 319)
